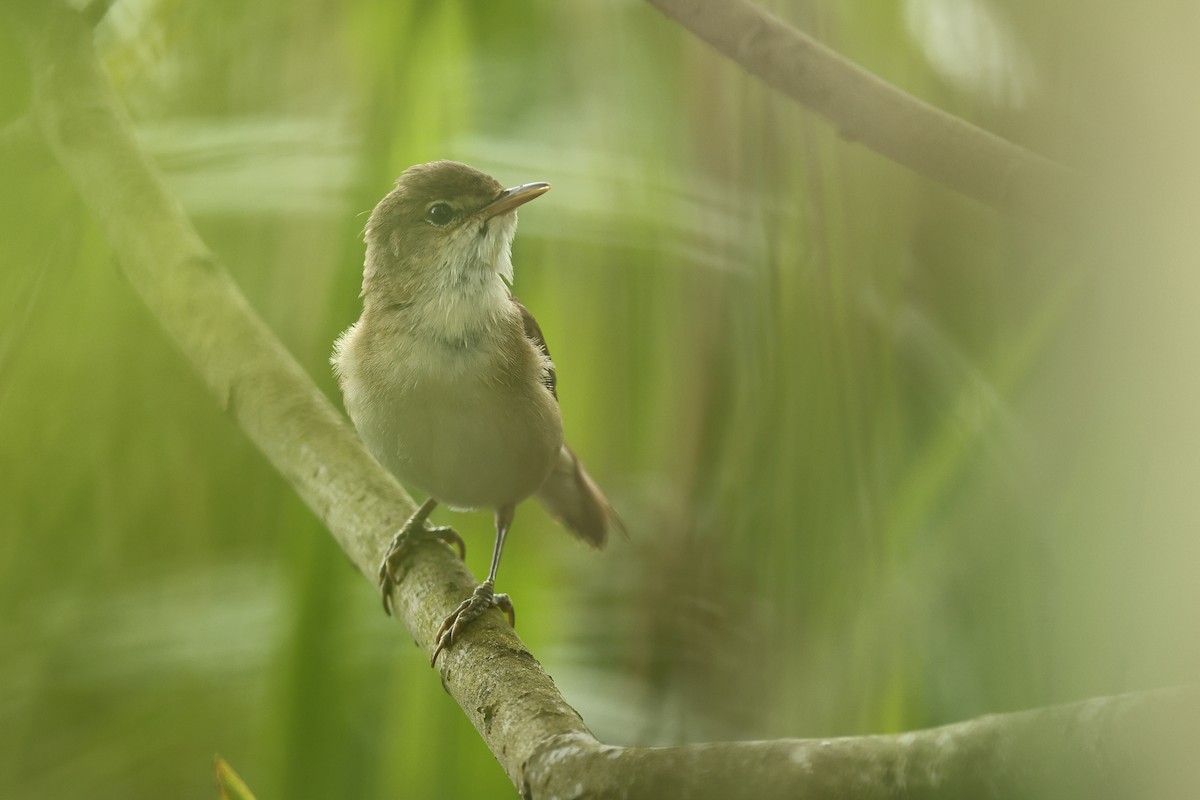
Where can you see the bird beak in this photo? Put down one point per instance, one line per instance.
(511, 198)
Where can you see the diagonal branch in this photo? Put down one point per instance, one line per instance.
(508, 697)
(1107, 747)
(867, 109)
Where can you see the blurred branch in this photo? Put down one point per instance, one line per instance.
(865, 108)
(1082, 750)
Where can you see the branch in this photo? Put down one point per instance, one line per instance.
(886, 119)
(499, 685)
(1131, 746)
(1082, 750)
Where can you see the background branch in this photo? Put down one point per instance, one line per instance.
(1101, 748)
(867, 109)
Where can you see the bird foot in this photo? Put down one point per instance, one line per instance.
(467, 612)
(404, 543)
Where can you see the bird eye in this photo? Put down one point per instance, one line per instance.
(439, 214)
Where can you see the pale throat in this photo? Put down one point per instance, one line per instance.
(466, 298)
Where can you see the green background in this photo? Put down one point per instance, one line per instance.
(888, 459)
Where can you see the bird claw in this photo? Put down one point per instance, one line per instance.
(391, 570)
(467, 612)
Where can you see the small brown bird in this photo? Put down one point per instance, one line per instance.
(447, 377)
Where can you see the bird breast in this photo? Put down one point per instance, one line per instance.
(470, 422)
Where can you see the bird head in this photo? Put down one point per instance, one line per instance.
(445, 228)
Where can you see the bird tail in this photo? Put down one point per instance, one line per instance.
(574, 499)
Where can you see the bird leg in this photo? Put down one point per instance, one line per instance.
(410, 535)
(484, 596)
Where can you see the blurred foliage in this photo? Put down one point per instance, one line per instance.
(888, 460)
(230, 786)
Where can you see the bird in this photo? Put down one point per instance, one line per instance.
(448, 379)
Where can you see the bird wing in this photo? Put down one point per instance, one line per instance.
(534, 333)
(569, 493)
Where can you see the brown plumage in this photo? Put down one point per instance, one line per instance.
(447, 376)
